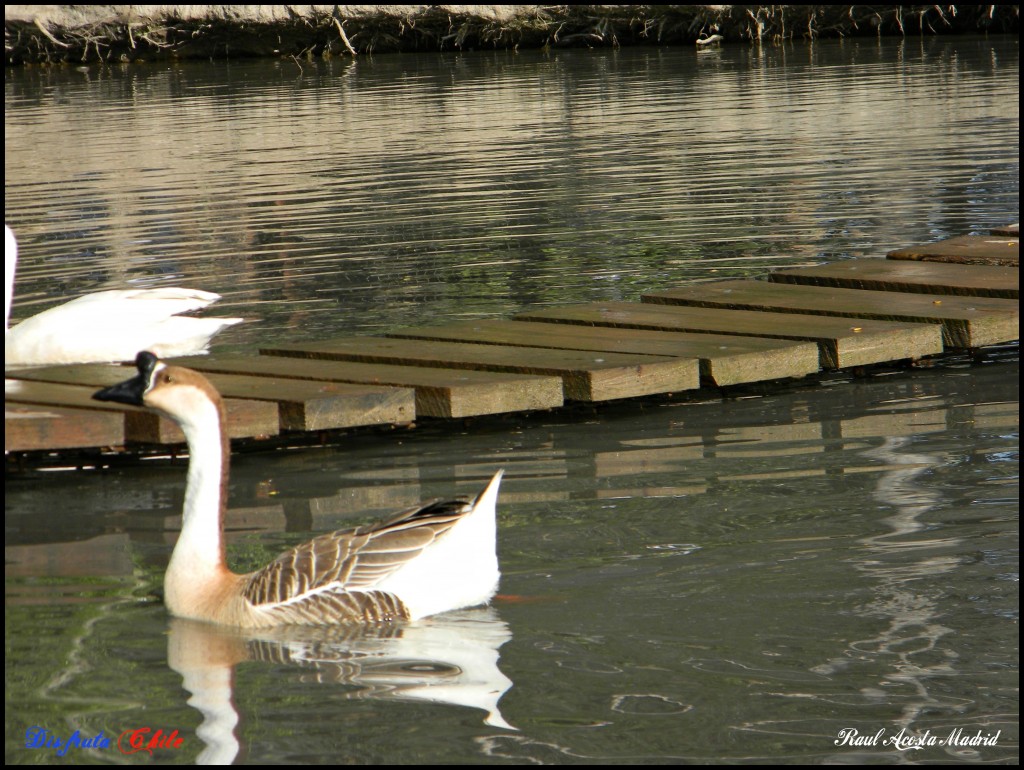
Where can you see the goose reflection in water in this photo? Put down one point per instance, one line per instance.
(449, 659)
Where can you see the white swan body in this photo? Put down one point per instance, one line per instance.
(108, 325)
(424, 561)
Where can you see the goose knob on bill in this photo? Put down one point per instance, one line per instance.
(427, 560)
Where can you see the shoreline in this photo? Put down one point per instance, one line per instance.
(51, 34)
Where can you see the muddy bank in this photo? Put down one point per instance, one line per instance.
(78, 33)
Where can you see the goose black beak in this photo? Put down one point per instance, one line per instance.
(131, 391)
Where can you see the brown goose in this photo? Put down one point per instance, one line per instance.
(423, 561)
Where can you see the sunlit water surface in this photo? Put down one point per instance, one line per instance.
(685, 580)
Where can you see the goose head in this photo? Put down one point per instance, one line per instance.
(181, 394)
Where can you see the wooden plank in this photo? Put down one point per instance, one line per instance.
(1012, 230)
(841, 344)
(966, 249)
(138, 424)
(245, 418)
(909, 276)
(967, 322)
(439, 392)
(723, 360)
(30, 428)
(303, 405)
(586, 376)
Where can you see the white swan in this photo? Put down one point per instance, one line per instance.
(423, 561)
(107, 325)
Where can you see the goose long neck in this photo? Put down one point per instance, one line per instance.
(200, 549)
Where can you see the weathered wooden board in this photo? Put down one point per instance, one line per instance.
(586, 376)
(966, 249)
(439, 392)
(245, 418)
(303, 405)
(841, 343)
(909, 276)
(967, 322)
(1013, 231)
(30, 428)
(153, 428)
(723, 360)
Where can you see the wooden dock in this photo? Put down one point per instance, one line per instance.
(921, 301)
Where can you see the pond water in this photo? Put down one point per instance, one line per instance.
(734, 577)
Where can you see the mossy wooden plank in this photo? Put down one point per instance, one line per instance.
(245, 418)
(439, 392)
(909, 276)
(841, 343)
(303, 405)
(586, 376)
(967, 322)
(29, 428)
(381, 406)
(1012, 231)
(966, 249)
(723, 360)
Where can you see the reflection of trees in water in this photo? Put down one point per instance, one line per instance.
(364, 196)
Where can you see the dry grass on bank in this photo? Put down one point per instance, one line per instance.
(54, 34)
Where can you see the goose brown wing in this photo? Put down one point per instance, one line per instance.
(352, 559)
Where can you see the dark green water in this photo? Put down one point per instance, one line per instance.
(725, 581)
